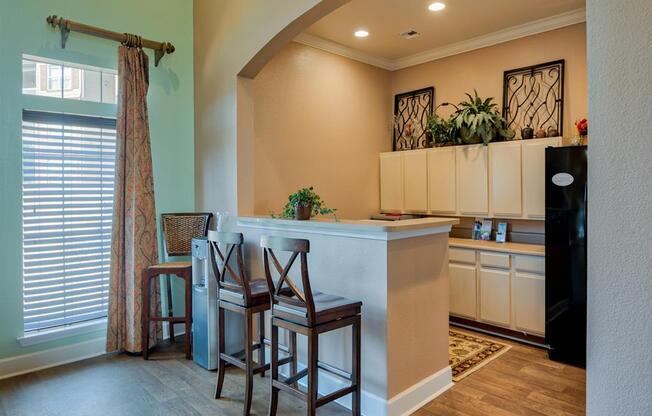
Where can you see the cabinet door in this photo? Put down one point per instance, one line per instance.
(534, 175)
(505, 171)
(415, 181)
(391, 182)
(494, 296)
(463, 292)
(529, 302)
(472, 182)
(442, 192)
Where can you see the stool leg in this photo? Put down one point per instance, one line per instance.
(168, 284)
(188, 334)
(221, 347)
(249, 361)
(293, 353)
(355, 366)
(261, 341)
(313, 354)
(273, 400)
(144, 320)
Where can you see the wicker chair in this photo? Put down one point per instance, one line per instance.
(178, 231)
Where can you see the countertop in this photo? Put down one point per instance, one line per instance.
(374, 229)
(514, 248)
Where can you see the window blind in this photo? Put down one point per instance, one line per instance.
(68, 181)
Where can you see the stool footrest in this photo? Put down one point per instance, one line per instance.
(335, 395)
(298, 376)
(289, 389)
(235, 361)
(174, 319)
(334, 371)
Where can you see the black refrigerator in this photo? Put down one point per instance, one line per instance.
(566, 210)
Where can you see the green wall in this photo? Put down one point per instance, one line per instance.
(23, 30)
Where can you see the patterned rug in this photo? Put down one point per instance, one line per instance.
(469, 353)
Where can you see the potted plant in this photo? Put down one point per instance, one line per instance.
(303, 204)
(440, 130)
(478, 121)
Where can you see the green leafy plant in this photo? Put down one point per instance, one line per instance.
(478, 120)
(304, 197)
(440, 130)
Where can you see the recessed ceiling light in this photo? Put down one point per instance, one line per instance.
(436, 6)
(361, 33)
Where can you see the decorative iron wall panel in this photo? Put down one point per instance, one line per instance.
(534, 96)
(411, 112)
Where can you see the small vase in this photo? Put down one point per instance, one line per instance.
(576, 140)
(302, 212)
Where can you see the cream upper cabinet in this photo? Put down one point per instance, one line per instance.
(534, 175)
(415, 181)
(442, 186)
(391, 182)
(472, 181)
(505, 179)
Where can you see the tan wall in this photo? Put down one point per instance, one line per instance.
(320, 120)
(483, 69)
(228, 34)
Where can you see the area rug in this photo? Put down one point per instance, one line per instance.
(469, 353)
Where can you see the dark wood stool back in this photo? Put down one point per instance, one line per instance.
(299, 298)
(222, 263)
(309, 313)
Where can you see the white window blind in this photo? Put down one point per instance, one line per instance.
(68, 180)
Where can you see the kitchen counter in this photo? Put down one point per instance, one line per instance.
(399, 270)
(514, 248)
(372, 229)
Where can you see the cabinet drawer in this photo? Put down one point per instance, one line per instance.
(462, 255)
(499, 260)
(530, 264)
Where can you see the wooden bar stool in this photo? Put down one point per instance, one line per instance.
(244, 296)
(178, 232)
(308, 313)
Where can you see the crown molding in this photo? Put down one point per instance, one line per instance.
(345, 51)
(515, 32)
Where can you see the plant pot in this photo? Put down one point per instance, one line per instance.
(302, 212)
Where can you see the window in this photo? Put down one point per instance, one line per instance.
(50, 78)
(68, 180)
(54, 78)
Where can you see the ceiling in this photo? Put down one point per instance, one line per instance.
(460, 21)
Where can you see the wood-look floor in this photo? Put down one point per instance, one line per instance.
(521, 382)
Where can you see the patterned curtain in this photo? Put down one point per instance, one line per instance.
(134, 245)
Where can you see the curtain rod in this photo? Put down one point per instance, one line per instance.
(66, 26)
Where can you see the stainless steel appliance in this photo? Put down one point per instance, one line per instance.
(204, 310)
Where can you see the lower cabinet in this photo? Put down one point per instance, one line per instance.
(529, 302)
(498, 288)
(463, 292)
(495, 306)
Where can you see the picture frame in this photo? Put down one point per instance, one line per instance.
(411, 112)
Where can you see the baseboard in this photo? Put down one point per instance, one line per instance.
(403, 404)
(27, 363)
(417, 396)
(497, 331)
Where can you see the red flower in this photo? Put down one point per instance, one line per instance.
(582, 126)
